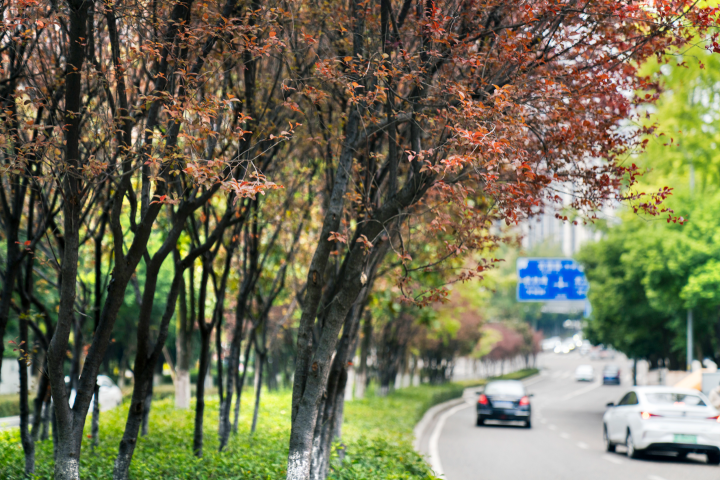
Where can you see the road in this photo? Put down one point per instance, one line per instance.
(565, 441)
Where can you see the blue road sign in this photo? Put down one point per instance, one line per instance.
(548, 279)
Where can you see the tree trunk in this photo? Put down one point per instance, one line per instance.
(241, 383)
(361, 375)
(26, 438)
(43, 397)
(132, 426)
(200, 393)
(47, 418)
(146, 407)
(259, 363)
(183, 347)
(95, 428)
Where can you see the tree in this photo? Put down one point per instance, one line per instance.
(463, 102)
(144, 136)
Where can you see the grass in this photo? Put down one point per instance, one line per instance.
(377, 436)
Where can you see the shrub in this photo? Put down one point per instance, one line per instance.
(9, 405)
(377, 440)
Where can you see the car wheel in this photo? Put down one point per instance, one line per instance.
(609, 446)
(632, 452)
(713, 458)
(480, 421)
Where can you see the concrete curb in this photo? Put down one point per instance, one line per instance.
(10, 422)
(423, 427)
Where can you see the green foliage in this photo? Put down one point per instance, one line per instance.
(646, 273)
(9, 405)
(377, 438)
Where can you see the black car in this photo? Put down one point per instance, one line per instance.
(504, 400)
(611, 375)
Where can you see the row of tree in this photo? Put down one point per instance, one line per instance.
(205, 163)
(646, 276)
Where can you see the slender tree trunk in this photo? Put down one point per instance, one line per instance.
(361, 378)
(26, 438)
(259, 363)
(95, 427)
(334, 397)
(232, 379)
(200, 393)
(47, 415)
(53, 423)
(241, 383)
(132, 426)
(183, 347)
(43, 397)
(147, 404)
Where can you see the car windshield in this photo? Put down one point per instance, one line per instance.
(611, 369)
(584, 368)
(505, 388)
(670, 398)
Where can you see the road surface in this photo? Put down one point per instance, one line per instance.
(565, 441)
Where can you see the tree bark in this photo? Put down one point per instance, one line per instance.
(183, 347)
(26, 438)
(362, 375)
(200, 391)
(95, 427)
(42, 398)
(259, 364)
(146, 407)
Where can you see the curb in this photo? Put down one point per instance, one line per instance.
(423, 427)
(9, 422)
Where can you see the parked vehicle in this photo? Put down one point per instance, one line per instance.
(663, 419)
(504, 400)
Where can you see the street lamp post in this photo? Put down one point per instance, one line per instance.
(689, 338)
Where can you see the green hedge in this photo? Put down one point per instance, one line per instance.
(9, 405)
(377, 439)
(377, 435)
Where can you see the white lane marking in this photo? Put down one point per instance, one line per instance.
(582, 391)
(655, 477)
(552, 427)
(612, 459)
(565, 435)
(583, 445)
(435, 438)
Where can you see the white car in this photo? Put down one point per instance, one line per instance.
(663, 419)
(584, 373)
(109, 393)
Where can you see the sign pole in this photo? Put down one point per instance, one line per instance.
(689, 339)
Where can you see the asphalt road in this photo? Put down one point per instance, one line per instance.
(565, 441)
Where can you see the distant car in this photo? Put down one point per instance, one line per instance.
(504, 400)
(607, 354)
(584, 373)
(549, 344)
(585, 348)
(109, 393)
(611, 375)
(567, 346)
(663, 419)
